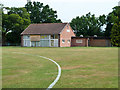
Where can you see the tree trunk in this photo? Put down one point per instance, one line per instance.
(3, 39)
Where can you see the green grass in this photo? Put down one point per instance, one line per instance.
(81, 67)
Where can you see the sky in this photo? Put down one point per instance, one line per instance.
(69, 9)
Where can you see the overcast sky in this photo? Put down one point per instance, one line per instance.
(68, 9)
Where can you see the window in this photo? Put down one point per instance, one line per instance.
(68, 30)
(56, 36)
(68, 41)
(54, 43)
(44, 36)
(44, 43)
(32, 44)
(52, 36)
(63, 41)
(26, 41)
(26, 37)
(35, 44)
(79, 41)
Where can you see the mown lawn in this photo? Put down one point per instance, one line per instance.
(93, 67)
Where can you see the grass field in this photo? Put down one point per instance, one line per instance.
(81, 67)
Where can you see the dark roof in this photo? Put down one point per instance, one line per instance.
(78, 37)
(46, 28)
(98, 37)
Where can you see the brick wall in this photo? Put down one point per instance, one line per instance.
(83, 44)
(64, 35)
(100, 43)
(92, 42)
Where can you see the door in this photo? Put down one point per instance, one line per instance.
(32, 44)
(35, 44)
(88, 42)
(52, 43)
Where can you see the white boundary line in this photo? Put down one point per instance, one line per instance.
(59, 69)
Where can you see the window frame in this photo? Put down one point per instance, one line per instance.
(63, 41)
(68, 41)
(79, 41)
(68, 30)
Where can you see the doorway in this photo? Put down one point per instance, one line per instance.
(35, 44)
(52, 43)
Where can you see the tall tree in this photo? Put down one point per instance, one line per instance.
(115, 34)
(1, 6)
(11, 23)
(111, 19)
(88, 25)
(14, 22)
(115, 28)
(41, 14)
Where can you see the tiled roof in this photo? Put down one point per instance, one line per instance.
(46, 28)
(98, 37)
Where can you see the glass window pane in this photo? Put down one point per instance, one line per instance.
(32, 44)
(37, 44)
(79, 41)
(52, 43)
(63, 41)
(25, 37)
(44, 36)
(56, 36)
(68, 41)
(68, 30)
(52, 36)
(27, 43)
(44, 43)
(56, 43)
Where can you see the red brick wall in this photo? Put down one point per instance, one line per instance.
(100, 43)
(66, 36)
(83, 44)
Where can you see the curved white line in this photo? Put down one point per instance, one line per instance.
(59, 69)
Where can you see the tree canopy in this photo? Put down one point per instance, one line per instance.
(14, 22)
(41, 14)
(114, 21)
(112, 17)
(1, 24)
(88, 25)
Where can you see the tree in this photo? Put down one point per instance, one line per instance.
(1, 6)
(112, 17)
(115, 34)
(22, 12)
(108, 29)
(14, 23)
(41, 14)
(88, 25)
(10, 23)
(115, 28)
